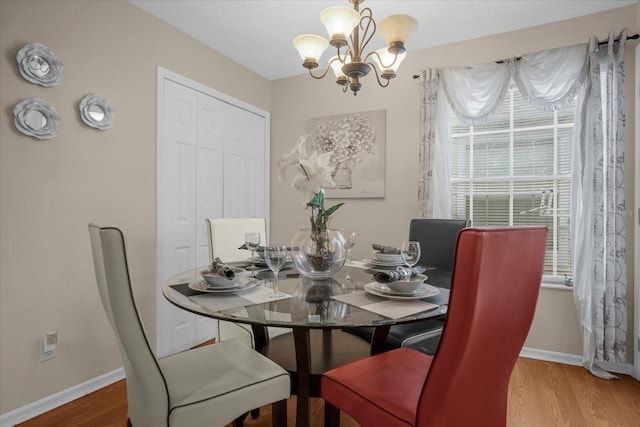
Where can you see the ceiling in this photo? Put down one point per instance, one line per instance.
(259, 34)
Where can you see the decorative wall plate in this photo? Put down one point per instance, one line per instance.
(39, 65)
(35, 117)
(96, 112)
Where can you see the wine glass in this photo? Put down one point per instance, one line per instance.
(410, 251)
(275, 256)
(252, 240)
(350, 241)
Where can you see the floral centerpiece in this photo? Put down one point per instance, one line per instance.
(312, 175)
(348, 141)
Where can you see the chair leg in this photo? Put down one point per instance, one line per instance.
(331, 415)
(238, 422)
(279, 413)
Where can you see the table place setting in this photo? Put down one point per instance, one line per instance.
(423, 290)
(230, 300)
(403, 287)
(232, 287)
(392, 308)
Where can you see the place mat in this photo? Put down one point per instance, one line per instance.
(185, 290)
(226, 301)
(389, 308)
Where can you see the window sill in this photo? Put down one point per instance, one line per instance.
(549, 285)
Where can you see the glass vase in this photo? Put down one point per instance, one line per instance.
(342, 176)
(318, 253)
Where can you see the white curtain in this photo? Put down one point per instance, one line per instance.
(550, 80)
(434, 197)
(598, 205)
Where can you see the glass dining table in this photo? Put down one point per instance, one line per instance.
(319, 314)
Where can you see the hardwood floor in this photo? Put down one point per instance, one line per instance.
(541, 394)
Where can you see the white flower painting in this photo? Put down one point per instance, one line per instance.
(357, 147)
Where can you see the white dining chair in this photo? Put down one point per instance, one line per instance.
(226, 235)
(211, 385)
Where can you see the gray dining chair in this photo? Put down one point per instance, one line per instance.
(225, 236)
(437, 239)
(207, 386)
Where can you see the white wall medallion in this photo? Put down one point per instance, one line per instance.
(39, 65)
(96, 112)
(35, 117)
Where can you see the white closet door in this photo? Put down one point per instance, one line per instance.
(212, 163)
(244, 172)
(176, 210)
(210, 185)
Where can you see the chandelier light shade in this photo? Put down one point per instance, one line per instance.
(310, 48)
(387, 62)
(350, 31)
(340, 22)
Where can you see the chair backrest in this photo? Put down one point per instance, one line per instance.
(496, 279)
(437, 239)
(226, 235)
(148, 399)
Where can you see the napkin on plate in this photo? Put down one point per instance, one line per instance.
(389, 276)
(221, 269)
(383, 249)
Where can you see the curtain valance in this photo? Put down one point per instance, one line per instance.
(547, 80)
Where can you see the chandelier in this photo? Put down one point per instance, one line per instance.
(352, 30)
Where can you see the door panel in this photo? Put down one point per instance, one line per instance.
(209, 189)
(244, 149)
(176, 212)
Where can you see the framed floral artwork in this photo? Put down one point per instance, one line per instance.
(357, 143)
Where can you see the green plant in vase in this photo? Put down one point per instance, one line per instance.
(318, 253)
(320, 218)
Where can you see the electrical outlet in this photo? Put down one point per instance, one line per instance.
(47, 354)
(51, 338)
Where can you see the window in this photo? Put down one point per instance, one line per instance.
(516, 170)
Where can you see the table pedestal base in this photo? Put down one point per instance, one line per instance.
(327, 349)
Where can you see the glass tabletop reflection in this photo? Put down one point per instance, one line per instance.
(308, 303)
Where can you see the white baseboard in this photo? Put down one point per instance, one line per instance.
(58, 399)
(551, 356)
(574, 359)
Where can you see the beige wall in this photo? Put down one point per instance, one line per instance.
(51, 190)
(555, 326)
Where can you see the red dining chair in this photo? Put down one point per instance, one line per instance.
(494, 290)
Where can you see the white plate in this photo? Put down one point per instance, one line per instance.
(241, 285)
(378, 289)
(421, 289)
(393, 258)
(413, 284)
(215, 280)
(379, 263)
